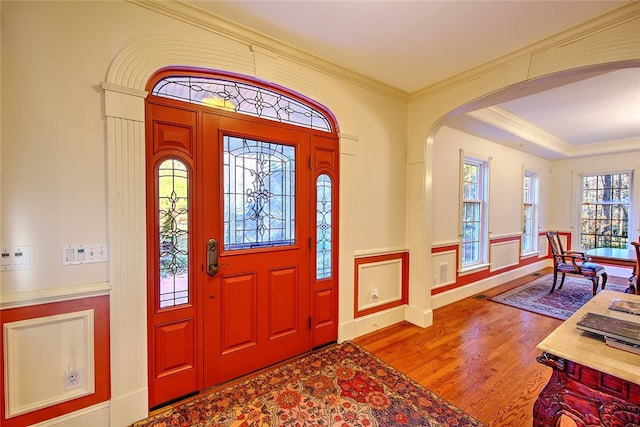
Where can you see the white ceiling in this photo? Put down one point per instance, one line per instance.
(411, 45)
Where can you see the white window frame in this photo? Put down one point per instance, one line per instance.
(632, 209)
(482, 198)
(530, 203)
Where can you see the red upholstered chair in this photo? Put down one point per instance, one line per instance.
(573, 262)
(636, 270)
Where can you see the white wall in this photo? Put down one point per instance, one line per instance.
(55, 54)
(505, 185)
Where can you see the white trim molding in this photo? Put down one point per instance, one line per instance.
(49, 295)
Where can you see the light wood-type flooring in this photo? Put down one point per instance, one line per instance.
(478, 354)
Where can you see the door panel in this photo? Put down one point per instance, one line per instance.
(323, 305)
(283, 302)
(238, 312)
(173, 136)
(174, 348)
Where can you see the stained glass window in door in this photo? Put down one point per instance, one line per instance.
(323, 227)
(259, 194)
(173, 233)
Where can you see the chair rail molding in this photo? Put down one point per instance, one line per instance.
(48, 295)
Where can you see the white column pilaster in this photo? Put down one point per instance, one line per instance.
(127, 273)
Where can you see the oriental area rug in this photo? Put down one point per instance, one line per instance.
(562, 303)
(343, 385)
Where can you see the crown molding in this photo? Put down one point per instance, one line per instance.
(615, 146)
(516, 126)
(506, 121)
(255, 40)
(617, 17)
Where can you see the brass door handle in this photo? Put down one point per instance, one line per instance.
(212, 257)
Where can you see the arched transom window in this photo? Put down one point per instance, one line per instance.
(241, 97)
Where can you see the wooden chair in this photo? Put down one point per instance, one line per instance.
(633, 285)
(573, 262)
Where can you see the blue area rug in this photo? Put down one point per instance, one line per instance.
(562, 303)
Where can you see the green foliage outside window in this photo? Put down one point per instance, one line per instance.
(604, 214)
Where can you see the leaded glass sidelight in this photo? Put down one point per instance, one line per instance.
(242, 98)
(323, 227)
(259, 194)
(173, 233)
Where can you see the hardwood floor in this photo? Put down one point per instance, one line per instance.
(478, 355)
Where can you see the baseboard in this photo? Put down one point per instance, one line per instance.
(456, 294)
(419, 317)
(132, 407)
(373, 322)
(94, 416)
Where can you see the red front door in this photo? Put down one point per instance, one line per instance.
(240, 186)
(255, 197)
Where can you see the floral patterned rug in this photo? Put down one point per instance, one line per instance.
(562, 303)
(343, 385)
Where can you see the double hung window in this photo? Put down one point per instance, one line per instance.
(474, 234)
(529, 212)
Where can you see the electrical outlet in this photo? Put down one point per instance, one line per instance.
(72, 378)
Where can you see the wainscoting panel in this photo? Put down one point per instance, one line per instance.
(543, 245)
(55, 359)
(504, 254)
(381, 282)
(444, 267)
(38, 377)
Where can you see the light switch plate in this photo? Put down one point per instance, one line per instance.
(15, 258)
(85, 253)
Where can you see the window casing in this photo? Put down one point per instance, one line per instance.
(473, 233)
(529, 212)
(605, 203)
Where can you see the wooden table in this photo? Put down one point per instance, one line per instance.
(591, 383)
(624, 257)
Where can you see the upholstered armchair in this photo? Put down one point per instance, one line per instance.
(573, 262)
